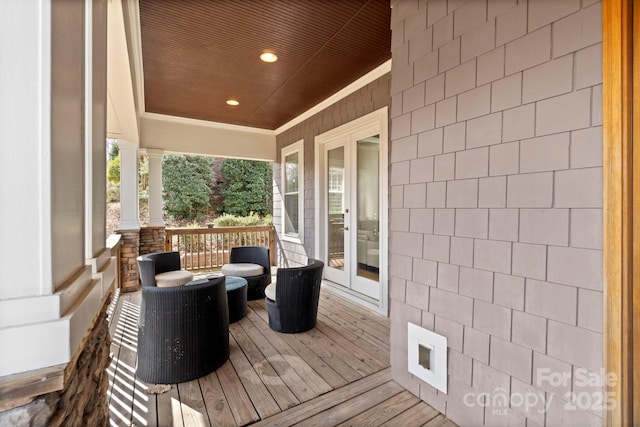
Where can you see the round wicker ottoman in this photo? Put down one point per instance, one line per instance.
(236, 297)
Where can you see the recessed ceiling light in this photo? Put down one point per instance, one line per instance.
(232, 102)
(269, 57)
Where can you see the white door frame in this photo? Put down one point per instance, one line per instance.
(378, 122)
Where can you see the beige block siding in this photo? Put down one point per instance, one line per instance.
(507, 150)
(370, 98)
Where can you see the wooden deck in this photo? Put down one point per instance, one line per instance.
(336, 374)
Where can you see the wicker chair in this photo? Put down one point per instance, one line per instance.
(253, 255)
(162, 263)
(296, 293)
(183, 332)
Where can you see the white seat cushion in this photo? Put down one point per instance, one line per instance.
(270, 291)
(173, 278)
(242, 269)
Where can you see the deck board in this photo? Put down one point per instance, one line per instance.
(417, 415)
(315, 362)
(303, 368)
(327, 401)
(169, 409)
(343, 362)
(240, 384)
(440, 421)
(371, 355)
(368, 329)
(274, 361)
(124, 397)
(194, 412)
(145, 404)
(215, 402)
(384, 411)
(337, 373)
(356, 311)
(281, 394)
(354, 406)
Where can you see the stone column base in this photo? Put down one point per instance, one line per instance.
(83, 401)
(151, 240)
(129, 251)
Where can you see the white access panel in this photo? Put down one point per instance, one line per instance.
(432, 366)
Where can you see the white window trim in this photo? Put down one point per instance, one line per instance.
(287, 151)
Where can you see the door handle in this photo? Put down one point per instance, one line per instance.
(345, 228)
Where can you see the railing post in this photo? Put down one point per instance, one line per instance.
(272, 245)
(167, 240)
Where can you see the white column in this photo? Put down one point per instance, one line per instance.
(128, 186)
(155, 187)
(39, 327)
(25, 165)
(88, 132)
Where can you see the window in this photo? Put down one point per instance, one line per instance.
(292, 191)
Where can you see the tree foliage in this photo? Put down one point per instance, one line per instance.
(246, 186)
(186, 184)
(113, 163)
(114, 149)
(143, 172)
(113, 171)
(228, 220)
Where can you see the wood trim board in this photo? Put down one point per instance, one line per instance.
(621, 187)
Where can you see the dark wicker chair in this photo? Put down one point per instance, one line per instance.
(183, 332)
(254, 255)
(297, 292)
(149, 265)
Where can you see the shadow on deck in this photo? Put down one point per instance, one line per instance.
(336, 374)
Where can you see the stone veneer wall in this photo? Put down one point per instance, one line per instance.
(151, 240)
(84, 401)
(129, 251)
(496, 204)
(370, 98)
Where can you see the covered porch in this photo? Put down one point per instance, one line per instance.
(336, 374)
(510, 188)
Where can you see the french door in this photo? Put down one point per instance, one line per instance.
(352, 210)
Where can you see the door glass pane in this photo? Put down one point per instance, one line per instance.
(335, 206)
(368, 186)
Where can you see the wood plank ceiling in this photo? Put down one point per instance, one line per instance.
(199, 53)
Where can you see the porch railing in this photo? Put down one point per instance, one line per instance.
(204, 248)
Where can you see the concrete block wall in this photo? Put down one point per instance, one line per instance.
(367, 99)
(496, 205)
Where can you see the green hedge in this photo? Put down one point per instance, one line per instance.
(229, 220)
